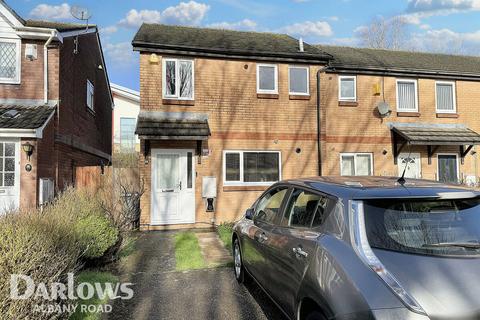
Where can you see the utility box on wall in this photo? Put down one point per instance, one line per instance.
(209, 192)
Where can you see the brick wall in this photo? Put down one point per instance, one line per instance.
(361, 129)
(239, 120)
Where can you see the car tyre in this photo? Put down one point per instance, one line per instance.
(238, 267)
(315, 315)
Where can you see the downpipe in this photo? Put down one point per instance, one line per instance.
(319, 120)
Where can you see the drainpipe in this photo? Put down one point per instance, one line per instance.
(45, 66)
(319, 72)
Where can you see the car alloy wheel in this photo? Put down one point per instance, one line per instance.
(237, 260)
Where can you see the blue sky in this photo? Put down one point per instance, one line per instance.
(432, 25)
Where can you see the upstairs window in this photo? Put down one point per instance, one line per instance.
(127, 133)
(445, 97)
(356, 164)
(267, 78)
(407, 96)
(347, 88)
(178, 79)
(251, 167)
(298, 80)
(10, 61)
(90, 95)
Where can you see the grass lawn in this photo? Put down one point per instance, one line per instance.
(92, 277)
(225, 233)
(187, 252)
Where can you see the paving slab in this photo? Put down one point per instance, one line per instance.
(212, 249)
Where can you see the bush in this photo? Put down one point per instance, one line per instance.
(40, 246)
(97, 234)
(47, 245)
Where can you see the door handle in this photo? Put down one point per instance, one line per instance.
(180, 185)
(262, 237)
(299, 253)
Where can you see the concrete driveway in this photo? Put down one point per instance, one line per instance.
(163, 293)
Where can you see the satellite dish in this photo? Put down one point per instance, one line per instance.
(384, 109)
(80, 13)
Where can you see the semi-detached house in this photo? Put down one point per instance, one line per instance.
(224, 114)
(55, 107)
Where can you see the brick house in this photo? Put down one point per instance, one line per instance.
(55, 107)
(224, 114)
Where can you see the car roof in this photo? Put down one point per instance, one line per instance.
(371, 187)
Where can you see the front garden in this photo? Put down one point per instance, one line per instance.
(76, 236)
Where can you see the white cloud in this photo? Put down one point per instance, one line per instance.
(245, 24)
(120, 54)
(185, 13)
(108, 30)
(441, 5)
(308, 29)
(51, 12)
(447, 41)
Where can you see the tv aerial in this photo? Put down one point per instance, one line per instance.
(82, 14)
(384, 109)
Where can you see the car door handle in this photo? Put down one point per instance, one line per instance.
(262, 237)
(299, 253)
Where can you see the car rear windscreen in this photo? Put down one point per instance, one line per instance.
(432, 227)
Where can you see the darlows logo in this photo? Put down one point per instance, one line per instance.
(69, 291)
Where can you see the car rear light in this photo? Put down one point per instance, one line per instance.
(365, 252)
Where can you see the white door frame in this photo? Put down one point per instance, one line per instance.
(414, 154)
(190, 218)
(448, 154)
(15, 190)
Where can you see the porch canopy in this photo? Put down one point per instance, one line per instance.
(433, 136)
(156, 125)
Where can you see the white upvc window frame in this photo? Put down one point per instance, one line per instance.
(275, 90)
(241, 181)
(355, 154)
(457, 161)
(415, 82)
(347, 77)
(177, 71)
(18, 68)
(454, 96)
(308, 80)
(90, 93)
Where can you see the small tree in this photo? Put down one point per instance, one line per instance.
(384, 33)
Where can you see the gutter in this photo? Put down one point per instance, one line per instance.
(319, 122)
(45, 66)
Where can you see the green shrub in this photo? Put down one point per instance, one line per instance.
(40, 246)
(97, 234)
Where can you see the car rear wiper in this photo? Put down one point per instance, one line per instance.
(467, 245)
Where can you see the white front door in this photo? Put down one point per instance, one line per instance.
(173, 187)
(412, 162)
(9, 174)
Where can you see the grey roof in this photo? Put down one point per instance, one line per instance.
(171, 126)
(402, 61)
(60, 26)
(225, 42)
(437, 135)
(26, 117)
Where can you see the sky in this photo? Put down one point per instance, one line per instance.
(433, 25)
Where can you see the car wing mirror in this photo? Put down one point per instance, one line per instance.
(249, 214)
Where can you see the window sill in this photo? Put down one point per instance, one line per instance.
(348, 103)
(299, 97)
(447, 115)
(267, 95)
(244, 188)
(178, 102)
(408, 114)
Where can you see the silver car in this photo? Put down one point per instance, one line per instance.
(364, 248)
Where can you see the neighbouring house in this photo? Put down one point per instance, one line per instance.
(224, 114)
(55, 107)
(125, 114)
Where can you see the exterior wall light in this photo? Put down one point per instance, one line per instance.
(28, 149)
